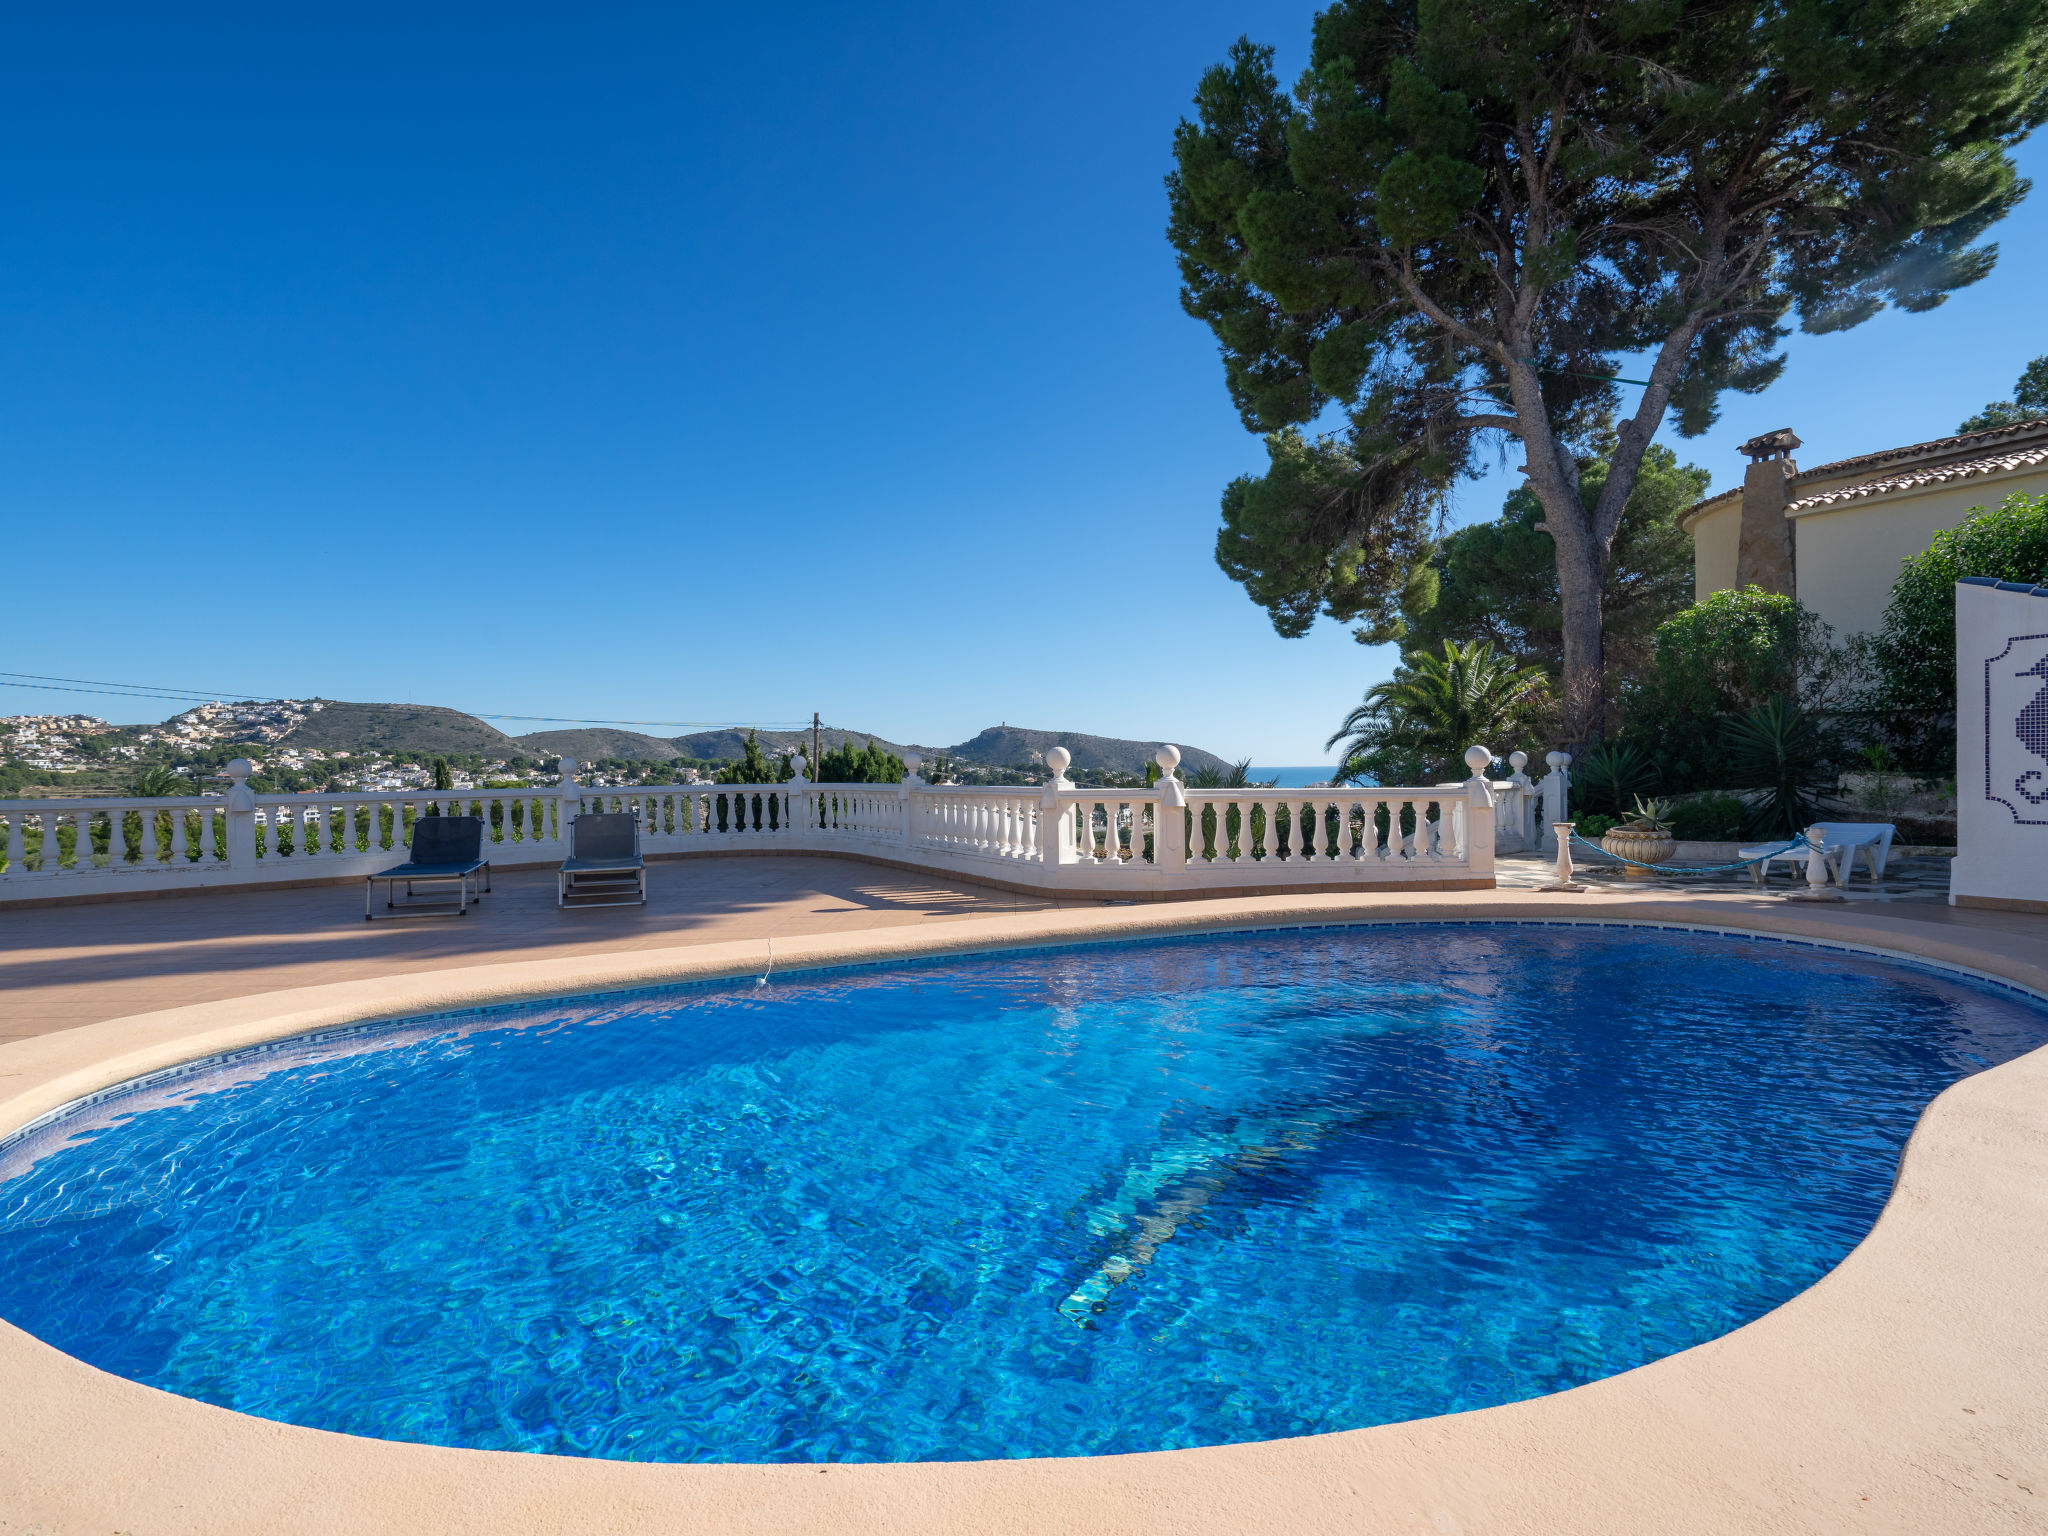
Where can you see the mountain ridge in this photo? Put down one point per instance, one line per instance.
(356, 726)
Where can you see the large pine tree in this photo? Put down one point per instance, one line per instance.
(1470, 210)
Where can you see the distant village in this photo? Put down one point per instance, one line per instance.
(194, 744)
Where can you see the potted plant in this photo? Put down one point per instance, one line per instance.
(1644, 836)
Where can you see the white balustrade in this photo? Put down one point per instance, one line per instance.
(1161, 840)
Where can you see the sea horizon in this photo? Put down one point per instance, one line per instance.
(1296, 777)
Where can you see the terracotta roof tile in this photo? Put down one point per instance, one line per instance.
(1932, 474)
(2036, 426)
(1986, 439)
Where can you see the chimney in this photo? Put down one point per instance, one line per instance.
(1763, 558)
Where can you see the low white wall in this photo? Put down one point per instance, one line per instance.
(2001, 746)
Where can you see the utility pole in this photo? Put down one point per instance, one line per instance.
(814, 743)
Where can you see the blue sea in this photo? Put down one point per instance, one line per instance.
(1292, 778)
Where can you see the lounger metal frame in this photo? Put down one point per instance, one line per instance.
(616, 880)
(465, 873)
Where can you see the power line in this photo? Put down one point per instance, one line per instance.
(751, 725)
(43, 683)
(132, 690)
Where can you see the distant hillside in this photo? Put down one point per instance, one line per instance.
(587, 746)
(343, 727)
(1011, 746)
(716, 746)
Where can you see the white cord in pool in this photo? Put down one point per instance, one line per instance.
(762, 979)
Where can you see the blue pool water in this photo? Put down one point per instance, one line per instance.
(1098, 1200)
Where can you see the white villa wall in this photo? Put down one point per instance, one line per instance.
(1848, 553)
(2001, 747)
(1716, 537)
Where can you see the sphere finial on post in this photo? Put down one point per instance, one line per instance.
(1170, 791)
(1057, 758)
(1478, 759)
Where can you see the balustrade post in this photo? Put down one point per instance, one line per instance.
(1169, 825)
(1476, 813)
(568, 798)
(1556, 791)
(16, 857)
(1524, 808)
(1055, 828)
(912, 781)
(240, 802)
(803, 809)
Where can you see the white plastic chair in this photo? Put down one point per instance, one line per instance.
(1872, 839)
(1840, 842)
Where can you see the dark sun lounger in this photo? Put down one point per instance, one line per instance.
(444, 848)
(604, 867)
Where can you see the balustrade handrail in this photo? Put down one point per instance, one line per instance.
(1159, 837)
(1071, 793)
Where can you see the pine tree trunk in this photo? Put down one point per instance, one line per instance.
(1579, 584)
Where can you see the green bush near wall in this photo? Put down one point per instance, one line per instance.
(1911, 704)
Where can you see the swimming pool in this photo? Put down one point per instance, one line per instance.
(1114, 1199)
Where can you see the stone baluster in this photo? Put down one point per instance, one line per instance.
(180, 851)
(16, 856)
(1561, 839)
(1817, 870)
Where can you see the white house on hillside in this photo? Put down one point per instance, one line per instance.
(1834, 536)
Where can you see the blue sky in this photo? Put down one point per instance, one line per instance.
(733, 363)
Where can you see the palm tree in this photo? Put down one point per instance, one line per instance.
(1236, 776)
(160, 783)
(1415, 727)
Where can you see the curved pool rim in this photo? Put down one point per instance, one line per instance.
(15, 1127)
(287, 1467)
(13, 1131)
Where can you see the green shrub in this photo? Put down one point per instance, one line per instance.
(1593, 828)
(848, 764)
(1609, 777)
(1709, 819)
(1911, 705)
(1718, 660)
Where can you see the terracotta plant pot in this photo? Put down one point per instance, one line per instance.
(1642, 846)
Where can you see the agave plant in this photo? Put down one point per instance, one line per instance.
(1610, 775)
(1778, 752)
(1650, 817)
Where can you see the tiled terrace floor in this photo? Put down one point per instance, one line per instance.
(65, 966)
(1913, 878)
(69, 965)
